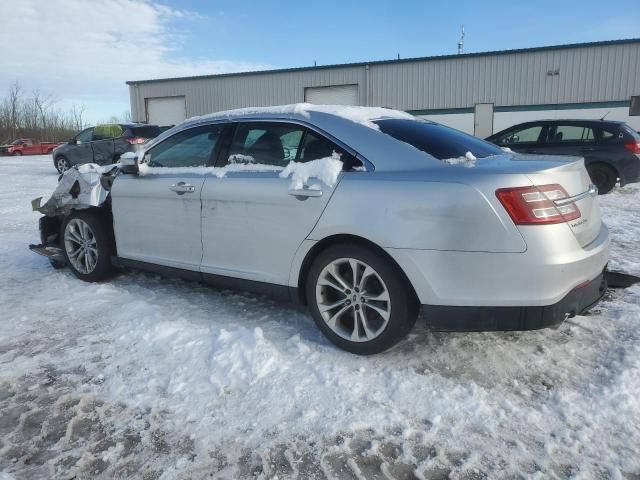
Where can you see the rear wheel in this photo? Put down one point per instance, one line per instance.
(88, 246)
(359, 299)
(62, 164)
(603, 176)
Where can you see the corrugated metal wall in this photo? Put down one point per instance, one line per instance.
(593, 73)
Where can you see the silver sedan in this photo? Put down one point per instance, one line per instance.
(366, 215)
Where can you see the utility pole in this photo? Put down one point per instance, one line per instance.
(461, 41)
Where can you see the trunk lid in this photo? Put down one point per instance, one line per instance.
(569, 172)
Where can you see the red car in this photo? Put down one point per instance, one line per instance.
(27, 146)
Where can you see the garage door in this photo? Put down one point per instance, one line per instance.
(333, 95)
(165, 111)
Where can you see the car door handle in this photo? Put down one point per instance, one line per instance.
(181, 188)
(305, 192)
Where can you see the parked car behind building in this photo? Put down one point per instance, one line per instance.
(611, 150)
(27, 146)
(102, 144)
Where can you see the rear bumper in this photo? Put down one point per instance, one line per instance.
(474, 319)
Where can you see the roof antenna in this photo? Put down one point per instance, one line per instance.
(398, 55)
(315, 64)
(461, 41)
(603, 117)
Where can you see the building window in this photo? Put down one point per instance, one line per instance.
(634, 106)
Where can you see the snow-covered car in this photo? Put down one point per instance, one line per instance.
(367, 215)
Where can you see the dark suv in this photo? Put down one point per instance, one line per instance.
(611, 150)
(102, 144)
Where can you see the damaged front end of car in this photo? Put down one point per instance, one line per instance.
(81, 187)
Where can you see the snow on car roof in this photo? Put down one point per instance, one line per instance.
(362, 115)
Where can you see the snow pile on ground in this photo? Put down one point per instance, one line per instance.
(151, 377)
(468, 160)
(324, 169)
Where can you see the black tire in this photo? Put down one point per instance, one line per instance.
(102, 232)
(603, 176)
(57, 264)
(403, 305)
(61, 163)
(17, 153)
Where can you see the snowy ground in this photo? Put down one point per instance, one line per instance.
(149, 377)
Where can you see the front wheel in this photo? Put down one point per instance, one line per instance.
(62, 164)
(603, 176)
(17, 153)
(359, 299)
(88, 246)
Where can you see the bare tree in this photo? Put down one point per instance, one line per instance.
(15, 97)
(77, 111)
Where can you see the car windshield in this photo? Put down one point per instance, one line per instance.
(17, 142)
(437, 140)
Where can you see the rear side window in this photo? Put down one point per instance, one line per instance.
(104, 132)
(147, 131)
(569, 133)
(437, 140)
(268, 144)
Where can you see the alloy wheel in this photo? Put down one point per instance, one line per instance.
(80, 245)
(353, 300)
(62, 164)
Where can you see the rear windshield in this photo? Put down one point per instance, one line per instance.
(147, 131)
(437, 140)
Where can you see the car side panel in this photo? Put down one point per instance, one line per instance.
(102, 151)
(418, 214)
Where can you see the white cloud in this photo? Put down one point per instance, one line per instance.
(83, 51)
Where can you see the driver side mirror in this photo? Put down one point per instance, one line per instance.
(73, 141)
(129, 163)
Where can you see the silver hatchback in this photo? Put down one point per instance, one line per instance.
(367, 215)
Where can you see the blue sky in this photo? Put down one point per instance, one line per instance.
(81, 52)
(294, 33)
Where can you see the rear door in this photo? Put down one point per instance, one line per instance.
(156, 214)
(252, 225)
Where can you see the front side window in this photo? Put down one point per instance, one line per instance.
(268, 144)
(190, 148)
(525, 135)
(437, 140)
(569, 133)
(85, 136)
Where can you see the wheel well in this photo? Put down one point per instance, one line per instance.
(325, 243)
(606, 165)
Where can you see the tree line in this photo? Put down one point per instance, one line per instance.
(39, 117)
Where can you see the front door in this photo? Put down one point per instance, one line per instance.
(156, 214)
(252, 225)
(81, 151)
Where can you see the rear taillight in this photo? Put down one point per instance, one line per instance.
(535, 205)
(633, 147)
(135, 140)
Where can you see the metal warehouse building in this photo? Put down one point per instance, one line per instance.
(479, 93)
